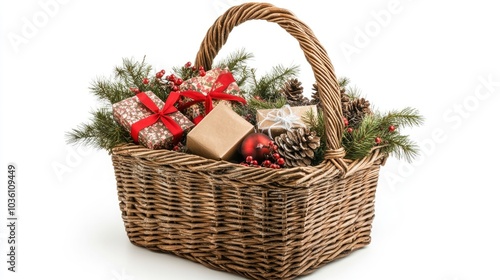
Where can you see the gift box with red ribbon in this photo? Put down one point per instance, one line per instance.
(152, 122)
(202, 93)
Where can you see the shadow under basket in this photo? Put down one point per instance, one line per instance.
(259, 223)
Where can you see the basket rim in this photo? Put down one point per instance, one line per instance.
(284, 177)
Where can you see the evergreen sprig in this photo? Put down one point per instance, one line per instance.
(130, 75)
(102, 132)
(259, 104)
(267, 86)
(386, 128)
(236, 62)
(359, 142)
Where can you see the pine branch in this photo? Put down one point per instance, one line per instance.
(265, 104)
(236, 63)
(268, 86)
(103, 132)
(361, 140)
(343, 81)
(129, 75)
(133, 72)
(353, 92)
(401, 147)
(109, 91)
(406, 117)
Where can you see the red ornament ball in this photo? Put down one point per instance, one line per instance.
(392, 128)
(255, 145)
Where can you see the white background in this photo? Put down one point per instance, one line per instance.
(437, 219)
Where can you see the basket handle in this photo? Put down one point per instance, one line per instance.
(314, 52)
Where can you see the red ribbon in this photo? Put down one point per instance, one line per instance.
(225, 80)
(158, 115)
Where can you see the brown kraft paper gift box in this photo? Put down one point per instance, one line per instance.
(219, 135)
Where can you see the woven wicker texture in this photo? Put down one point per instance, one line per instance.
(260, 223)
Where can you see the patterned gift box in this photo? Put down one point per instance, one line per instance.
(156, 136)
(214, 79)
(277, 121)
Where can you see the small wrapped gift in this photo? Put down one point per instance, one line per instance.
(277, 121)
(219, 135)
(149, 125)
(201, 94)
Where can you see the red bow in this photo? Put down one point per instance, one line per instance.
(225, 80)
(158, 115)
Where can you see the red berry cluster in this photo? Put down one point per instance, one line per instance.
(271, 160)
(174, 82)
(193, 69)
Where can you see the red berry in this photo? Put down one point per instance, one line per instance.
(162, 71)
(249, 159)
(201, 68)
(281, 161)
(134, 90)
(378, 140)
(392, 128)
(176, 148)
(275, 147)
(188, 64)
(159, 75)
(193, 68)
(346, 122)
(266, 163)
(350, 129)
(202, 73)
(276, 156)
(254, 162)
(175, 88)
(171, 77)
(178, 81)
(145, 81)
(271, 143)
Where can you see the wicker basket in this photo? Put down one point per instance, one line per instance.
(259, 223)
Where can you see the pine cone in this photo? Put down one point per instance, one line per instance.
(293, 90)
(315, 95)
(355, 109)
(297, 146)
